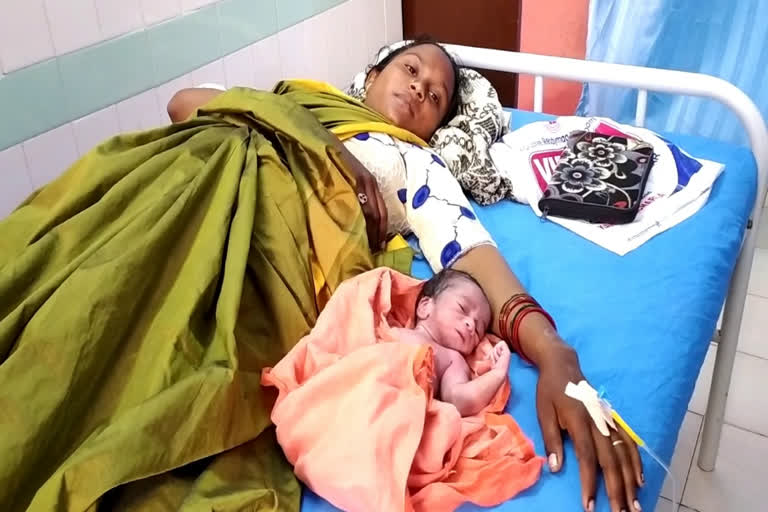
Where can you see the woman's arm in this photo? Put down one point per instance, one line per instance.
(185, 102)
(486, 264)
(558, 364)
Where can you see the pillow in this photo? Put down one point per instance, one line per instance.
(464, 141)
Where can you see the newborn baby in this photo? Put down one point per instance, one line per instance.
(452, 316)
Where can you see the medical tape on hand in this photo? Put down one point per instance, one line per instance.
(597, 408)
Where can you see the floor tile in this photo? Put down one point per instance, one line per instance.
(758, 280)
(762, 230)
(681, 460)
(738, 481)
(752, 338)
(747, 406)
(664, 505)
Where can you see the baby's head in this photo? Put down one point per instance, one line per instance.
(415, 86)
(454, 310)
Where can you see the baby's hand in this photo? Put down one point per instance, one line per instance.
(500, 357)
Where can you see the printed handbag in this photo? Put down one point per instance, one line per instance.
(599, 179)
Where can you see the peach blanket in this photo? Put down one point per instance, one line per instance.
(356, 417)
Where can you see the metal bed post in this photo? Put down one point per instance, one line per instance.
(674, 82)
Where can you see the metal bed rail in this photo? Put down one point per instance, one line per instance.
(673, 82)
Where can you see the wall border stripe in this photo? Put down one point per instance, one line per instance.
(43, 96)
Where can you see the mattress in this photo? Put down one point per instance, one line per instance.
(641, 323)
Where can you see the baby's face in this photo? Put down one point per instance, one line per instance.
(460, 316)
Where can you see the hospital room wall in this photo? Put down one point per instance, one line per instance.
(74, 73)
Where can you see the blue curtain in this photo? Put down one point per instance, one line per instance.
(725, 38)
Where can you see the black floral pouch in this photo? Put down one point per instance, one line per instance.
(600, 178)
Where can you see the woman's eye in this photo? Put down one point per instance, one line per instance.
(410, 69)
(434, 97)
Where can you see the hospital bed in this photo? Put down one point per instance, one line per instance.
(642, 322)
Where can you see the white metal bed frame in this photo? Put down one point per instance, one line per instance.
(674, 82)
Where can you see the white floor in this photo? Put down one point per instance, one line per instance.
(740, 480)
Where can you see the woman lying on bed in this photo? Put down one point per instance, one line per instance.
(415, 88)
(142, 291)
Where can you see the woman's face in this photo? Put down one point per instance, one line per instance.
(414, 90)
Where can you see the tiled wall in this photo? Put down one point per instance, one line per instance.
(74, 73)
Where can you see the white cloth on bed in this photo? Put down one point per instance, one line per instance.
(677, 187)
(422, 197)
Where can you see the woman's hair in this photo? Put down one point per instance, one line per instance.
(453, 104)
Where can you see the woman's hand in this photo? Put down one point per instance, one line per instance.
(371, 201)
(374, 209)
(617, 456)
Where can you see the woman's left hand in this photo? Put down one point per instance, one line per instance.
(370, 198)
(617, 457)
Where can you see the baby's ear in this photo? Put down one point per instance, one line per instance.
(424, 308)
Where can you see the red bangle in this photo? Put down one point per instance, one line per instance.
(520, 300)
(515, 340)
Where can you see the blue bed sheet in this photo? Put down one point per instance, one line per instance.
(641, 323)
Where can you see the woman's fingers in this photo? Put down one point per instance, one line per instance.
(621, 449)
(550, 431)
(371, 225)
(584, 446)
(383, 217)
(607, 457)
(377, 216)
(634, 456)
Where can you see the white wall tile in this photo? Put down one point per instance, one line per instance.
(15, 184)
(293, 61)
(212, 73)
(359, 54)
(73, 23)
(156, 11)
(341, 67)
(165, 92)
(95, 128)
(50, 154)
(393, 20)
(117, 17)
(140, 112)
(267, 59)
(191, 5)
(372, 20)
(240, 69)
(304, 49)
(24, 34)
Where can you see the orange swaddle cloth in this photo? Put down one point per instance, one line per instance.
(356, 417)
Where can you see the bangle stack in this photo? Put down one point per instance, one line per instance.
(517, 308)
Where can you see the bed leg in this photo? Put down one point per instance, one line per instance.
(726, 356)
